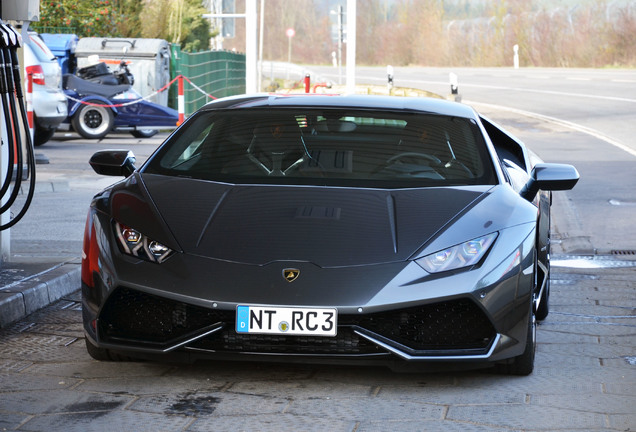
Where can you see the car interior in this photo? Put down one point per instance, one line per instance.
(345, 147)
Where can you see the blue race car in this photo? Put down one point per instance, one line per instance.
(100, 100)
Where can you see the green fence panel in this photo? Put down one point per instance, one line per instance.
(217, 73)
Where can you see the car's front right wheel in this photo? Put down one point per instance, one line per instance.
(102, 354)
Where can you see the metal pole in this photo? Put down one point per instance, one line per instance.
(340, 38)
(290, 34)
(307, 82)
(250, 46)
(29, 104)
(289, 49)
(351, 46)
(260, 47)
(180, 100)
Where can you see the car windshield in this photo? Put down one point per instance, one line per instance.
(328, 146)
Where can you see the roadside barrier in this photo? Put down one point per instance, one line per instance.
(180, 102)
(305, 84)
(181, 97)
(29, 105)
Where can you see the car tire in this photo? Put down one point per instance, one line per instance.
(93, 122)
(102, 354)
(544, 302)
(42, 136)
(144, 133)
(524, 364)
(544, 305)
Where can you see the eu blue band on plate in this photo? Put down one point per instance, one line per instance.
(242, 317)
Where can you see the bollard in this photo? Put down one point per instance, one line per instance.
(307, 83)
(454, 85)
(29, 104)
(180, 101)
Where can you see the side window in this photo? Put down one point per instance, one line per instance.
(504, 170)
(506, 146)
(516, 175)
(189, 150)
(195, 145)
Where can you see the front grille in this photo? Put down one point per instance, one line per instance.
(456, 324)
(623, 252)
(345, 342)
(136, 317)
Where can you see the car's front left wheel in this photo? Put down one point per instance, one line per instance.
(544, 302)
(524, 363)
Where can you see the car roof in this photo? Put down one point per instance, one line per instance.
(350, 101)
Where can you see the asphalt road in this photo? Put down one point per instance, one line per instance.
(585, 376)
(599, 100)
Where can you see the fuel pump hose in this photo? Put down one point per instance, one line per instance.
(15, 123)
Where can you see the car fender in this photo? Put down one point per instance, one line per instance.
(144, 113)
(75, 105)
(498, 209)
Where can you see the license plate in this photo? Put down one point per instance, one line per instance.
(286, 320)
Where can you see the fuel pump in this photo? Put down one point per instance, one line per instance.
(15, 127)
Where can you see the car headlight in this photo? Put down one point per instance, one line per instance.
(462, 255)
(134, 243)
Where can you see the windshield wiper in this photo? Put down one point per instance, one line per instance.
(450, 147)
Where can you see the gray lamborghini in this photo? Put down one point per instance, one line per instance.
(397, 231)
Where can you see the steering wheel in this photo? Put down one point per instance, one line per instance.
(428, 157)
(277, 164)
(454, 164)
(393, 159)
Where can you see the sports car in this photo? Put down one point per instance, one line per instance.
(324, 228)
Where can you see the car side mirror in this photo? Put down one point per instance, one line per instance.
(113, 162)
(549, 177)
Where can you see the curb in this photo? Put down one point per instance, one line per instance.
(47, 186)
(28, 295)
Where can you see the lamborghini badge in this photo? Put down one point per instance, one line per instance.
(290, 274)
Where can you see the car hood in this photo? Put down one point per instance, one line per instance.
(326, 226)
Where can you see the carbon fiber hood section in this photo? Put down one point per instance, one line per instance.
(329, 227)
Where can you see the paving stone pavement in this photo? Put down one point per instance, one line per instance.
(584, 379)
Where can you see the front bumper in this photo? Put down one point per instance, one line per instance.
(453, 330)
(394, 312)
(50, 107)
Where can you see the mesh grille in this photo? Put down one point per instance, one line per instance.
(457, 324)
(136, 316)
(133, 316)
(345, 342)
